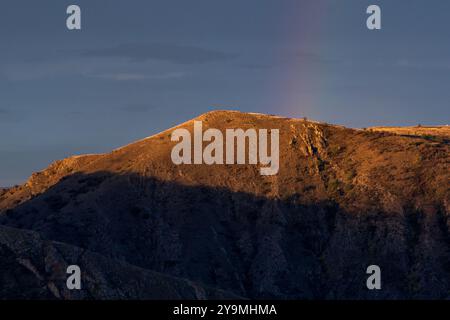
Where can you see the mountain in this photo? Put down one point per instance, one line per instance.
(343, 199)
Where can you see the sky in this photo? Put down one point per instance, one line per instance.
(138, 67)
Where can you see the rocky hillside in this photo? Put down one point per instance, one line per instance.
(3, 190)
(33, 268)
(343, 199)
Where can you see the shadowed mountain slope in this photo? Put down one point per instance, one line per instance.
(36, 269)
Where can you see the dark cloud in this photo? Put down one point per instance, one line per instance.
(157, 51)
(287, 59)
(138, 108)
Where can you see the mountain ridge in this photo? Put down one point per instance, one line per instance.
(343, 199)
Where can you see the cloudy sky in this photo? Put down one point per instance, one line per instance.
(140, 66)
